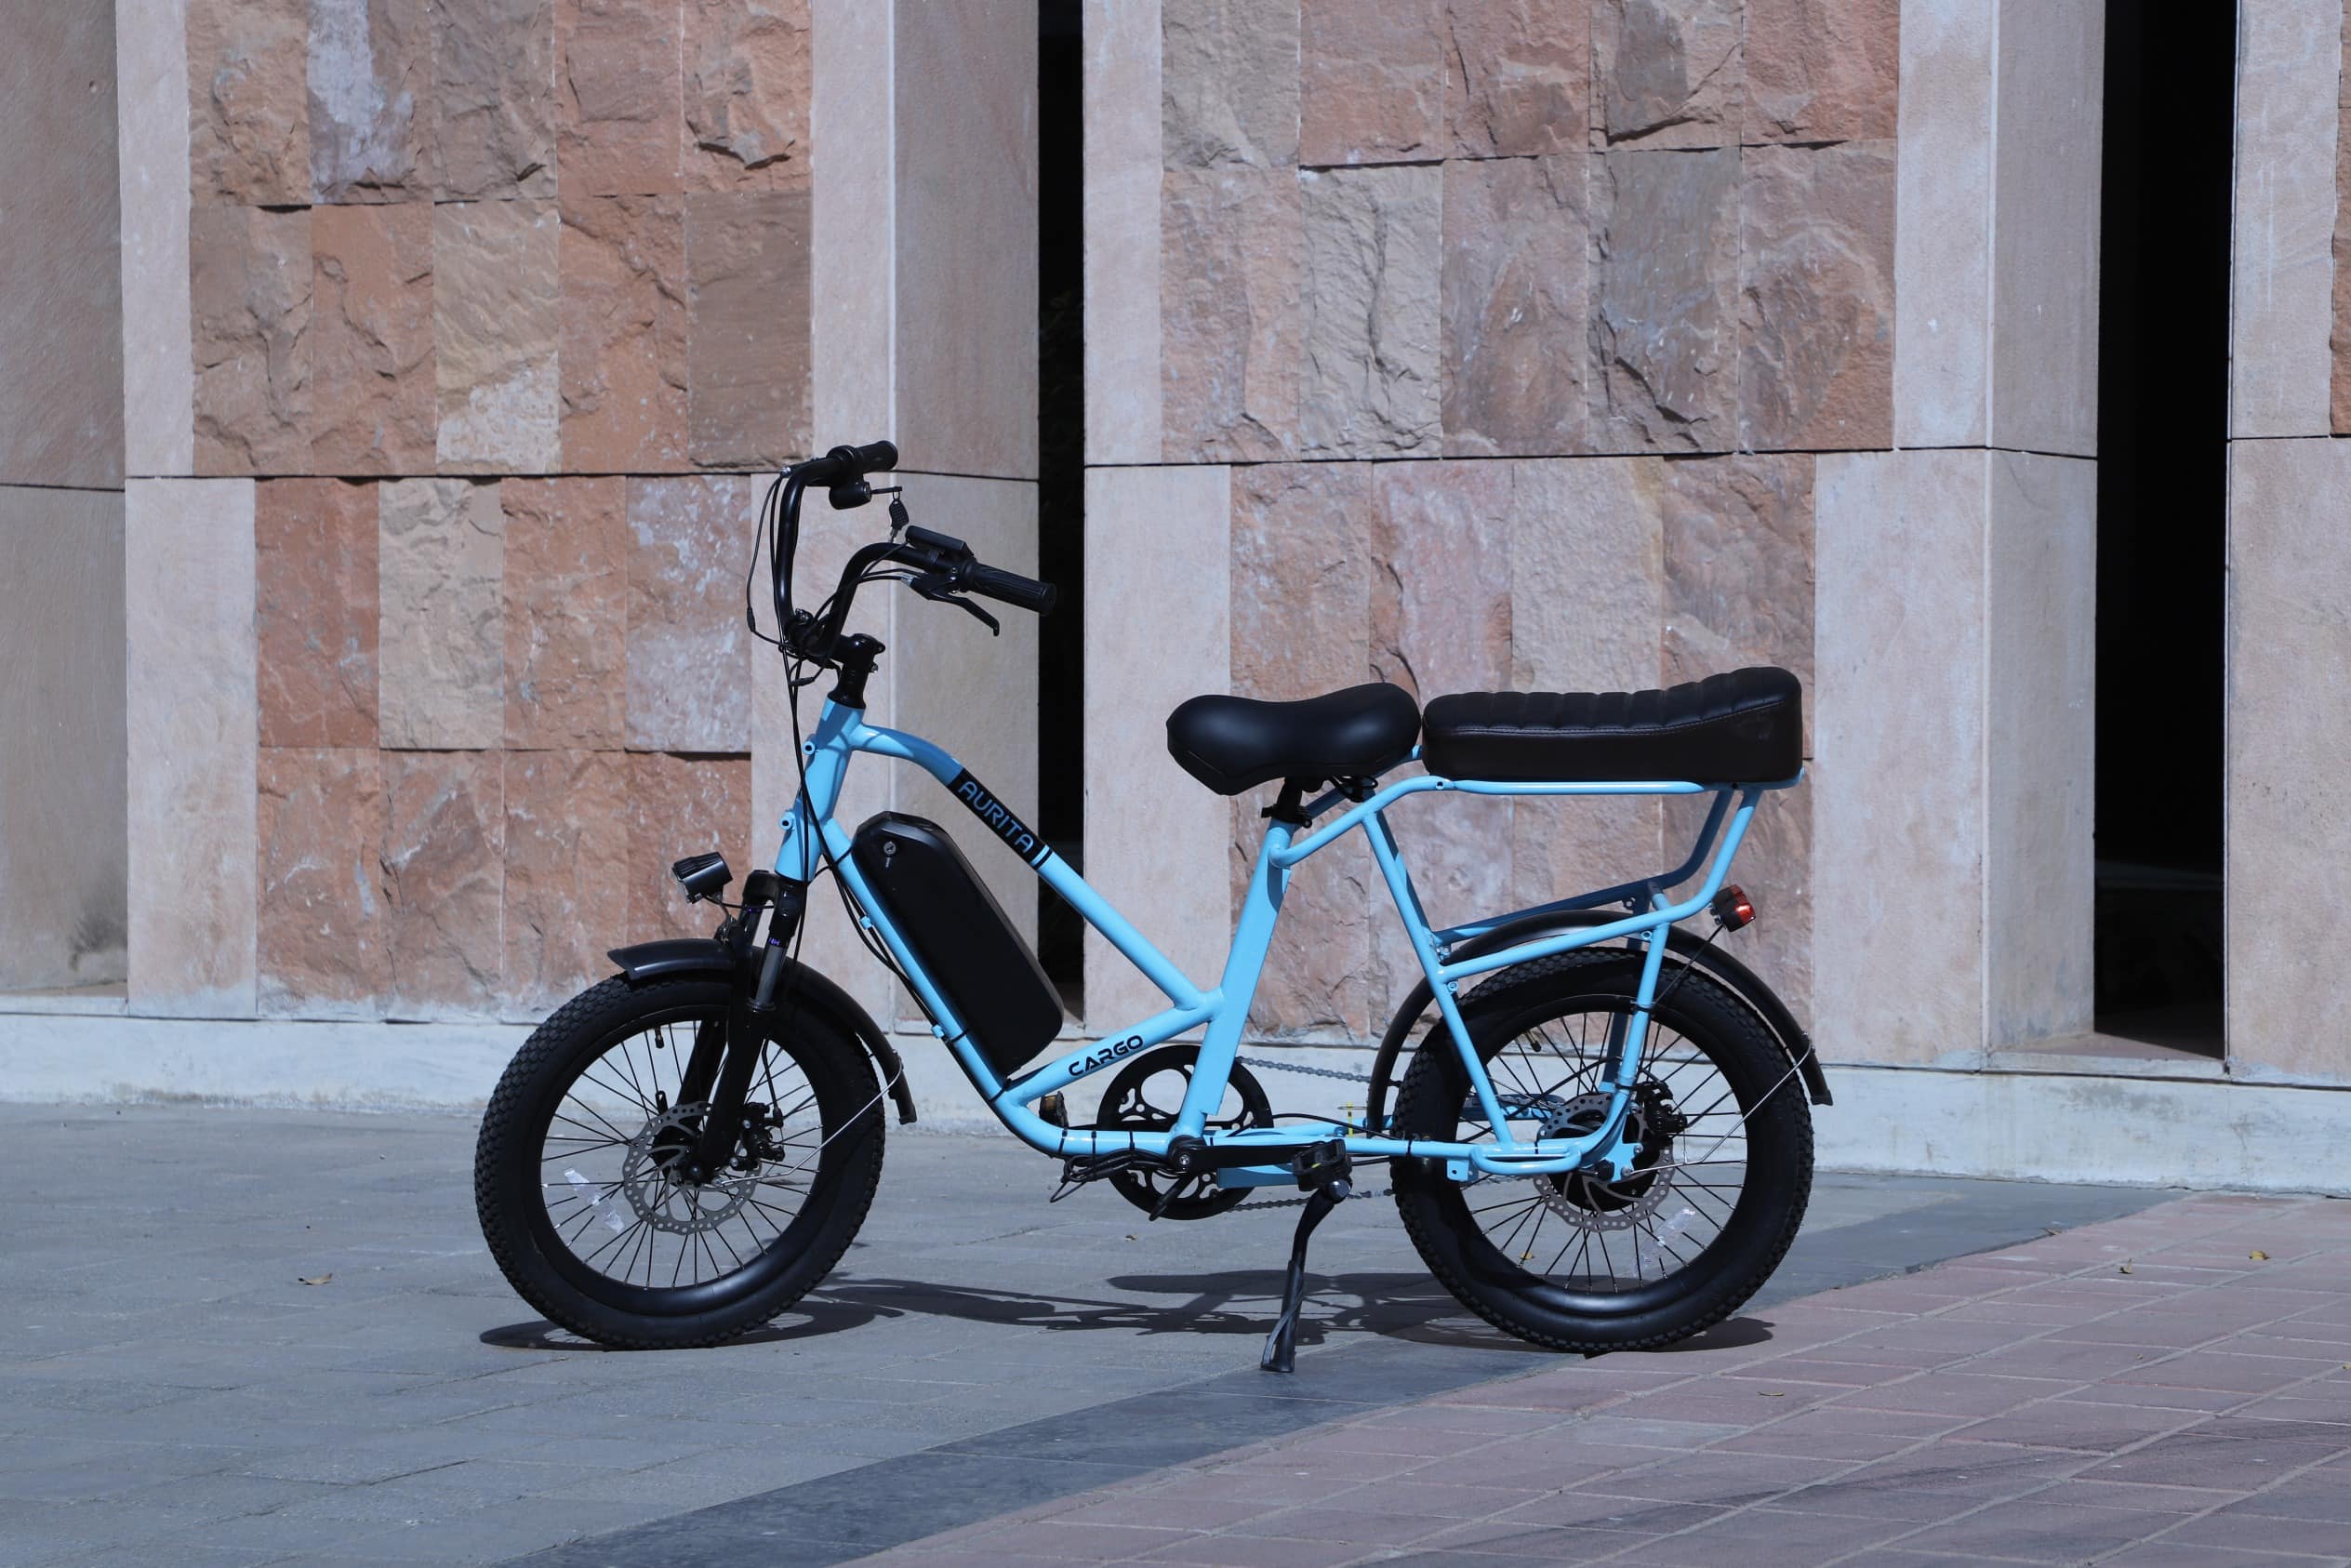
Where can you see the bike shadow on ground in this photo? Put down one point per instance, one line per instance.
(1394, 1305)
(810, 1319)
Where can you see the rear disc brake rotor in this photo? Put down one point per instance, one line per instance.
(1582, 1197)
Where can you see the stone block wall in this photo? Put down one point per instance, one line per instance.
(1521, 324)
(63, 887)
(2288, 870)
(490, 713)
(494, 310)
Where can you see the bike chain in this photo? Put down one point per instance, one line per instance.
(1267, 1065)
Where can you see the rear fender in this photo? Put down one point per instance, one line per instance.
(801, 986)
(1743, 982)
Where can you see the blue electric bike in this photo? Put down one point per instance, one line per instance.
(1602, 1140)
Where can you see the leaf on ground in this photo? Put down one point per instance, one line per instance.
(2258, 1256)
(2126, 1266)
(313, 1279)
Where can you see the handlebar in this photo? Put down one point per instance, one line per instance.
(847, 465)
(1010, 587)
(942, 568)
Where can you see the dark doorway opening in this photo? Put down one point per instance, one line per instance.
(1061, 476)
(2162, 520)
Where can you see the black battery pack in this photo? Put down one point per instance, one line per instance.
(958, 932)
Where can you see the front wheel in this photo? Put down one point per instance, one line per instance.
(1575, 1262)
(579, 1173)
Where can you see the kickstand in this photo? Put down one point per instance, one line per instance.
(1323, 1171)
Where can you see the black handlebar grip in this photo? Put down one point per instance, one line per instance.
(847, 465)
(1010, 587)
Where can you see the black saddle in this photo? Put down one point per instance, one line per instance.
(1745, 727)
(1236, 743)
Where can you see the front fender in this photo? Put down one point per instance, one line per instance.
(1743, 982)
(804, 985)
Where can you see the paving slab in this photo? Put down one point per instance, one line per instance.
(2072, 1436)
(171, 1391)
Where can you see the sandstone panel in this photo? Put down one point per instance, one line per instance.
(443, 856)
(371, 100)
(1372, 85)
(749, 77)
(1302, 572)
(1665, 255)
(496, 319)
(1521, 76)
(689, 676)
(443, 661)
(77, 135)
(747, 327)
(1517, 333)
(315, 612)
(249, 288)
(1738, 590)
(1821, 69)
(1442, 622)
(566, 874)
(371, 339)
(623, 355)
(2340, 421)
(619, 130)
(248, 106)
(1588, 534)
(493, 97)
(321, 926)
(566, 606)
(1228, 83)
(1668, 72)
(188, 614)
(1374, 262)
(1816, 297)
(680, 806)
(1233, 269)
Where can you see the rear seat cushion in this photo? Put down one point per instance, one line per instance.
(1745, 727)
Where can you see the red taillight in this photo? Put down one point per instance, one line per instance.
(1732, 907)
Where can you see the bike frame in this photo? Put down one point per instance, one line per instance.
(812, 836)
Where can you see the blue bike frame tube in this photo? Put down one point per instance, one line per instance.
(1252, 938)
(1399, 887)
(811, 833)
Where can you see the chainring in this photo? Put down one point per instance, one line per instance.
(1128, 1105)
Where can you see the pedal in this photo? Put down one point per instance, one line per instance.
(1327, 1164)
(1054, 1110)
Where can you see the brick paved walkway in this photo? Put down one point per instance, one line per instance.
(2172, 1388)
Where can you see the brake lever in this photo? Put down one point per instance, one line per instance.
(938, 588)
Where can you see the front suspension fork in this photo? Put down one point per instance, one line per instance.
(718, 1072)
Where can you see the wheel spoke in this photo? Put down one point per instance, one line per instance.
(668, 1233)
(1671, 1206)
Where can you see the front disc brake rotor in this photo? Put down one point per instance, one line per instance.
(666, 1200)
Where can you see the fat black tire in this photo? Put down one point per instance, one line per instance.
(1758, 1233)
(513, 1216)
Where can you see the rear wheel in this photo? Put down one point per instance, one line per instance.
(1577, 1262)
(579, 1172)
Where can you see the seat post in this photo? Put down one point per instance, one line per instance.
(1289, 807)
